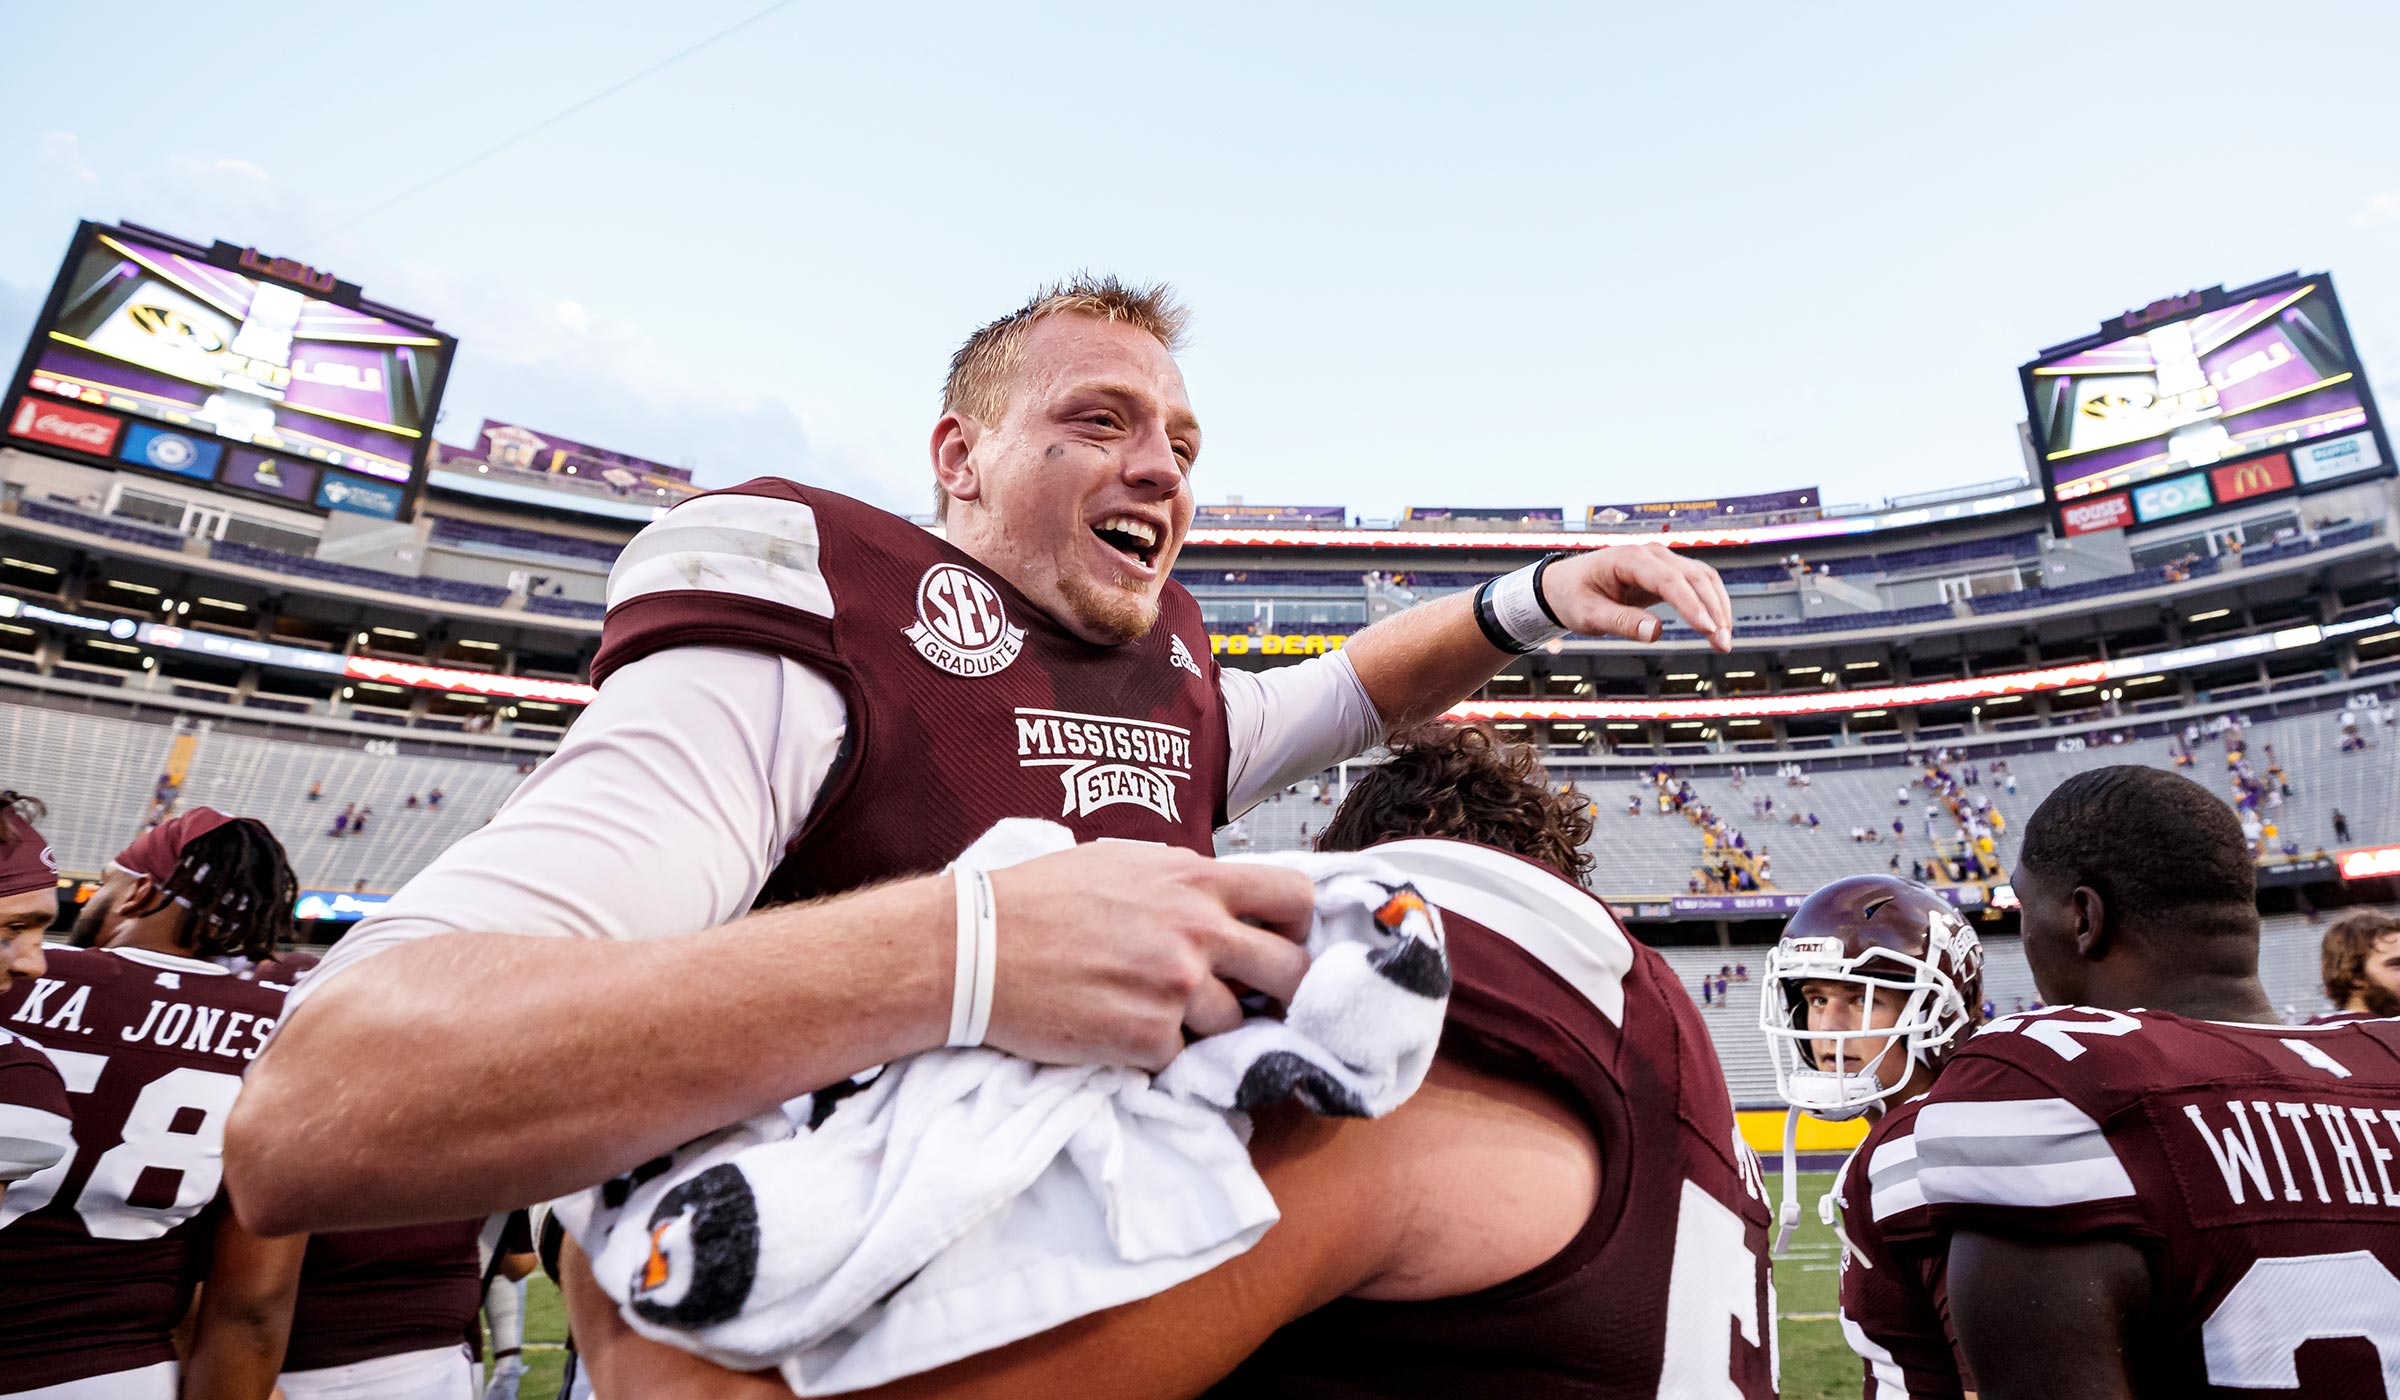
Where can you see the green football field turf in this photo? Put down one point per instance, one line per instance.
(1817, 1364)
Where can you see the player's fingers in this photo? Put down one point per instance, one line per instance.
(1212, 1009)
(1600, 618)
(1678, 592)
(1267, 895)
(1712, 590)
(1259, 958)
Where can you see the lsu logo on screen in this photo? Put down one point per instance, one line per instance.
(962, 624)
(2176, 496)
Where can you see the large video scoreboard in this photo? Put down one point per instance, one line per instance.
(257, 375)
(2201, 401)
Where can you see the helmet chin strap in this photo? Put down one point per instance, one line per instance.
(1787, 1216)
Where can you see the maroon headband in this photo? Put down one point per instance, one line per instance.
(26, 863)
(155, 852)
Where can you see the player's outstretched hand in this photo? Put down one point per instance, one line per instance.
(1107, 951)
(1608, 593)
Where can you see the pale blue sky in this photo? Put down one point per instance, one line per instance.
(1436, 254)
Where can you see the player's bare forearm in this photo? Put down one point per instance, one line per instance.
(1418, 664)
(477, 1072)
(242, 1319)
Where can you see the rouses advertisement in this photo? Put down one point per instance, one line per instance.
(2200, 381)
(203, 348)
(2108, 513)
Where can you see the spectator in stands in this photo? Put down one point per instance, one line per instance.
(1899, 830)
(1813, 822)
(1741, 972)
(1988, 1009)
(1708, 990)
(433, 799)
(1900, 795)
(342, 820)
(2360, 962)
(358, 824)
(2019, 1008)
(1720, 990)
(316, 789)
(2341, 827)
(411, 804)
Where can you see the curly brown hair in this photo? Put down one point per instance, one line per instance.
(2348, 945)
(1465, 782)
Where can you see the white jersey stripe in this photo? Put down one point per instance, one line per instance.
(31, 1139)
(1570, 932)
(1892, 1178)
(758, 547)
(2015, 1152)
(1890, 1382)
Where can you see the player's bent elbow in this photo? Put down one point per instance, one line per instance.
(264, 1180)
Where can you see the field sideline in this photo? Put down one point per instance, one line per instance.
(1817, 1364)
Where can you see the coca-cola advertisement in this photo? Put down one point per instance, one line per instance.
(61, 426)
(220, 345)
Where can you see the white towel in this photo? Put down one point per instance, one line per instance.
(964, 1199)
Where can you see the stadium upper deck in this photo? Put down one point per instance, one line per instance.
(1943, 619)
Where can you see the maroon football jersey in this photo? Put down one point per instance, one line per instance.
(98, 1254)
(35, 1130)
(1894, 1309)
(2254, 1165)
(2341, 1018)
(966, 702)
(370, 1293)
(1665, 1290)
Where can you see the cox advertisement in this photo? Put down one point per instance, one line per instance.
(201, 348)
(2164, 500)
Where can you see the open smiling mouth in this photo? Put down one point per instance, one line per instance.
(1137, 540)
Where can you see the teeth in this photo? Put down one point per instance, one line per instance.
(1141, 530)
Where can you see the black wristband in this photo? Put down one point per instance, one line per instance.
(1489, 621)
(1541, 567)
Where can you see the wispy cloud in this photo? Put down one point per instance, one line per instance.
(2379, 208)
(65, 151)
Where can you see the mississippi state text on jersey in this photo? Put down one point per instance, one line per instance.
(2254, 1164)
(1665, 1291)
(1894, 1312)
(960, 692)
(34, 1127)
(99, 1253)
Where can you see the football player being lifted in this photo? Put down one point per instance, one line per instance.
(2152, 1187)
(1874, 985)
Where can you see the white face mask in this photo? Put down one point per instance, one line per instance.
(1930, 1021)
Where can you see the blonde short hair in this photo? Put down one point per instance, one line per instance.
(980, 372)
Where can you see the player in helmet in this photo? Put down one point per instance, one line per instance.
(34, 1131)
(2153, 1187)
(151, 1034)
(2361, 964)
(1565, 1209)
(1875, 983)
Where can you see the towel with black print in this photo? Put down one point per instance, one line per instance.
(964, 1199)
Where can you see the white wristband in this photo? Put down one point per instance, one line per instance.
(1517, 607)
(978, 954)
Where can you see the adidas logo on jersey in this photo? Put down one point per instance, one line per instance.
(1180, 655)
(1103, 760)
